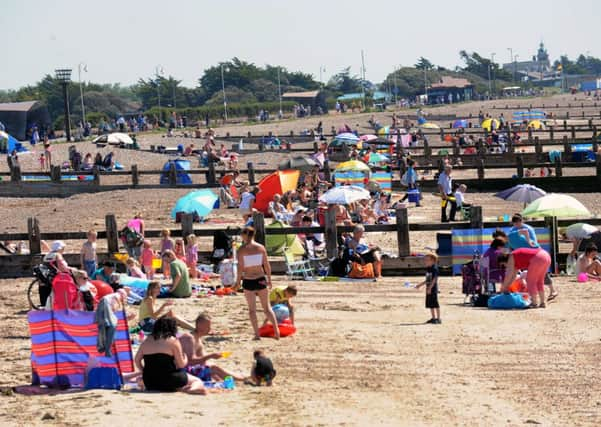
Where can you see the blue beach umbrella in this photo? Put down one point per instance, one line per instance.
(523, 193)
(200, 202)
(9, 142)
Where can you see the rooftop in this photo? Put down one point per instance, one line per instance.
(447, 81)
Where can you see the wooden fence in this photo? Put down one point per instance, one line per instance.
(21, 265)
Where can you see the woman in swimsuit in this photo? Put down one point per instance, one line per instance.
(254, 273)
(160, 359)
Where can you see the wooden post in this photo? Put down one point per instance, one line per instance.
(55, 173)
(315, 146)
(112, 234)
(538, 148)
(558, 168)
(96, 174)
(172, 174)
(573, 132)
(327, 173)
(135, 176)
(551, 224)
(530, 135)
(456, 151)
(331, 234)
(598, 165)
(251, 173)
(480, 166)
(427, 151)
(402, 232)
(442, 134)
(259, 226)
(211, 177)
(15, 173)
(187, 224)
(476, 216)
(567, 148)
(33, 233)
(551, 134)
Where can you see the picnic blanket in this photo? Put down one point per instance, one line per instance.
(63, 342)
(467, 242)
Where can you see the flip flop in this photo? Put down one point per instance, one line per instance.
(552, 297)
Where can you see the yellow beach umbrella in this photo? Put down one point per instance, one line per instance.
(536, 124)
(490, 124)
(429, 125)
(352, 165)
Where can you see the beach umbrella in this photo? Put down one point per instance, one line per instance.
(490, 124)
(536, 124)
(347, 136)
(460, 123)
(384, 130)
(114, 138)
(429, 125)
(344, 195)
(301, 163)
(378, 158)
(275, 183)
(200, 202)
(580, 230)
(352, 165)
(523, 193)
(8, 141)
(559, 205)
(368, 138)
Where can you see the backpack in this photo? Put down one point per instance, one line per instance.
(222, 247)
(339, 267)
(131, 237)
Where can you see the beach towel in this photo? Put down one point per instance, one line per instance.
(507, 302)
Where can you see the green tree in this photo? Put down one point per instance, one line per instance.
(424, 64)
(344, 82)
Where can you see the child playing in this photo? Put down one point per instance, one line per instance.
(167, 244)
(460, 197)
(192, 255)
(147, 313)
(431, 282)
(283, 295)
(262, 369)
(88, 257)
(42, 160)
(134, 268)
(146, 258)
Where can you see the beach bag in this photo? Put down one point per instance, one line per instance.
(103, 378)
(131, 237)
(507, 302)
(339, 267)
(227, 272)
(480, 300)
(362, 271)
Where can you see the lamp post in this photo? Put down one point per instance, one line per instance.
(63, 75)
(511, 60)
(158, 72)
(494, 77)
(84, 67)
(281, 113)
(515, 65)
(322, 70)
(223, 89)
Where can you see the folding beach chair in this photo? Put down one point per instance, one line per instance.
(298, 267)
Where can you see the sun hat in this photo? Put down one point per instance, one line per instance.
(57, 245)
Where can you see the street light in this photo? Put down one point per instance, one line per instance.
(322, 70)
(280, 94)
(84, 67)
(494, 77)
(515, 65)
(223, 89)
(63, 75)
(158, 71)
(511, 60)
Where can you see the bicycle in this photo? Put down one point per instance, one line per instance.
(39, 289)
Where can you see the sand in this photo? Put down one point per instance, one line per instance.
(362, 354)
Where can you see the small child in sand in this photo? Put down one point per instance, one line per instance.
(134, 268)
(192, 255)
(89, 259)
(167, 244)
(42, 160)
(431, 282)
(283, 295)
(146, 258)
(262, 370)
(148, 314)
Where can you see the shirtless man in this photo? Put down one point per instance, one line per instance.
(194, 350)
(589, 262)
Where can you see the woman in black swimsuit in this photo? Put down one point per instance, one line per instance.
(254, 273)
(160, 359)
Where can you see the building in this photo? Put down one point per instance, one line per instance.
(538, 68)
(449, 90)
(312, 98)
(20, 117)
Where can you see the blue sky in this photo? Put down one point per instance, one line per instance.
(121, 41)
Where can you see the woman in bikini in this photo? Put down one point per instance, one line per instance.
(254, 274)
